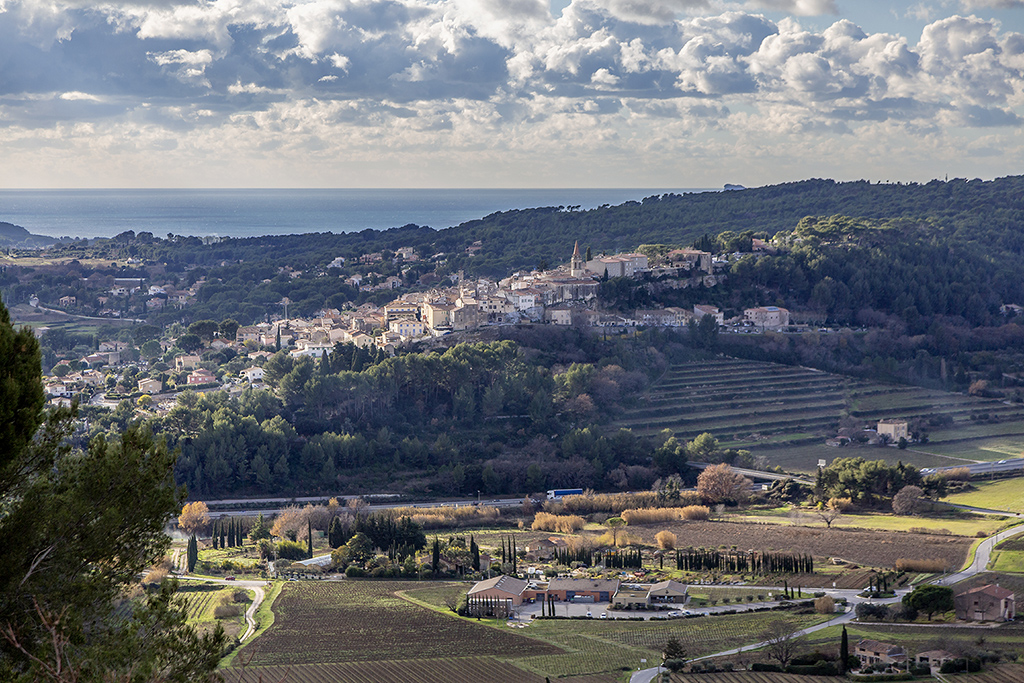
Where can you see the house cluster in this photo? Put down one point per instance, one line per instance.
(990, 602)
(561, 296)
(111, 292)
(516, 591)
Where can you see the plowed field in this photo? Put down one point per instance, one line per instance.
(349, 621)
(870, 548)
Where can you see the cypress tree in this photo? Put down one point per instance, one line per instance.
(192, 554)
(309, 531)
(844, 651)
(436, 555)
(231, 533)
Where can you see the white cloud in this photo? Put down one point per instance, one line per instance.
(330, 78)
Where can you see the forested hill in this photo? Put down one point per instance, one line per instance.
(16, 236)
(990, 213)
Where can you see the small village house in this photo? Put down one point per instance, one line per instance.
(186, 362)
(151, 386)
(934, 658)
(985, 603)
(874, 652)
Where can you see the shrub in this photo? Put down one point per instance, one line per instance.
(565, 524)
(292, 550)
(954, 666)
(650, 515)
(904, 564)
(696, 512)
(155, 577)
(354, 571)
(224, 611)
(763, 666)
(825, 605)
(675, 665)
(666, 540)
(618, 502)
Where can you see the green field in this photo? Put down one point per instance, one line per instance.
(942, 522)
(1005, 494)
(1006, 638)
(599, 645)
(786, 413)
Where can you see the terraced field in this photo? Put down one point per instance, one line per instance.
(757, 405)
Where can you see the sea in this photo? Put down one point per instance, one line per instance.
(250, 212)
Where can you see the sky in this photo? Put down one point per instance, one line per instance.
(507, 93)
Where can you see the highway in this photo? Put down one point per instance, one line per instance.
(982, 468)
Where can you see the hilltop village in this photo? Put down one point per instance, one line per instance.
(566, 295)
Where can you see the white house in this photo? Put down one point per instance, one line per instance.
(253, 374)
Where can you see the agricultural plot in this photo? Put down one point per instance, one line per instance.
(869, 548)
(1003, 673)
(943, 522)
(201, 600)
(753, 677)
(459, 670)
(1006, 638)
(608, 646)
(365, 621)
(1005, 494)
(1009, 556)
(761, 406)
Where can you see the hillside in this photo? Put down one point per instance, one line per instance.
(785, 413)
(15, 236)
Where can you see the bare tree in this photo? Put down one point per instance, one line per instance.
(781, 641)
(905, 502)
(830, 511)
(719, 484)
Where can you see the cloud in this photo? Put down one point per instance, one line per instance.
(971, 5)
(332, 77)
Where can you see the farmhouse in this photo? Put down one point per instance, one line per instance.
(873, 652)
(583, 590)
(500, 588)
(895, 429)
(985, 603)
